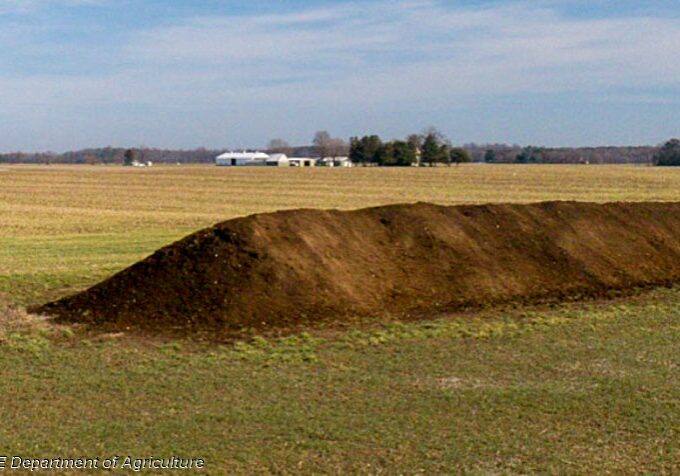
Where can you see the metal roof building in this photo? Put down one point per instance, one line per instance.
(260, 158)
(242, 158)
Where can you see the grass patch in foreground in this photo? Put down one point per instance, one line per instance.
(582, 389)
(41, 268)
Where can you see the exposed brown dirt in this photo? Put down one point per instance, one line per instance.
(292, 268)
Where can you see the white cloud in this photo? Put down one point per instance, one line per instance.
(386, 51)
(423, 45)
(27, 6)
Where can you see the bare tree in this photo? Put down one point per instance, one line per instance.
(322, 142)
(329, 146)
(436, 134)
(415, 143)
(279, 146)
(338, 147)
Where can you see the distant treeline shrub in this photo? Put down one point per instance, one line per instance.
(669, 154)
(429, 148)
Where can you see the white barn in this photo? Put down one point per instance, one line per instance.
(242, 158)
(260, 158)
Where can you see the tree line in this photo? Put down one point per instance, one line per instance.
(669, 154)
(428, 148)
(113, 155)
(508, 154)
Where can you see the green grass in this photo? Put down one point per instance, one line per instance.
(579, 389)
(36, 269)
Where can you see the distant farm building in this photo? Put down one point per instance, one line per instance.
(137, 163)
(302, 162)
(336, 162)
(278, 160)
(262, 159)
(242, 158)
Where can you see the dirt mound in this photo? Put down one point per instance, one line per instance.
(287, 268)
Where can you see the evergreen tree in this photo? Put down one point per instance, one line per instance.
(669, 154)
(431, 149)
(129, 157)
(459, 155)
(404, 154)
(356, 150)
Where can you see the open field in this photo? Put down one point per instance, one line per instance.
(63, 227)
(578, 388)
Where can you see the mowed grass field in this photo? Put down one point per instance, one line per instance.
(577, 389)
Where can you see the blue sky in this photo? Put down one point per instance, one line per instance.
(218, 73)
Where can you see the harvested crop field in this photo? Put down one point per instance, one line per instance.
(65, 228)
(290, 268)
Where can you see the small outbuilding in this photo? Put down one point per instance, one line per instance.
(278, 160)
(302, 162)
(336, 162)
(137, 163)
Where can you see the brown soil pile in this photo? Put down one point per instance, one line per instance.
(297, 267)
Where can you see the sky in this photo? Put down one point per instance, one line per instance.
(229, 74)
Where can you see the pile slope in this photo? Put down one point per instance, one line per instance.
(297, 267)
